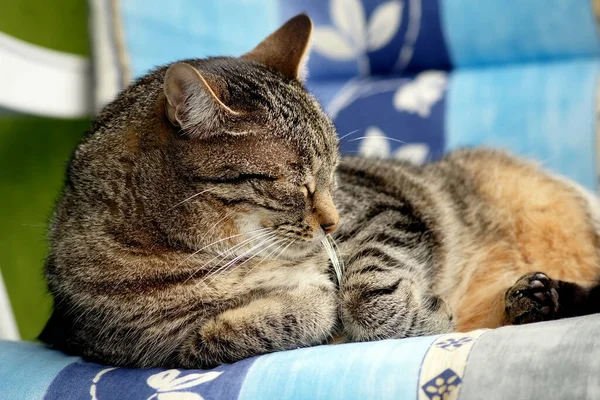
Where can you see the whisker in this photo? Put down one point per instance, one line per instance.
(333, 257)
(326, 247)
(265, 238)
(221, 256)
(231, 250)
(338, 256)
(193, 196)
(216, 223)
(279, 248)
(377, 136)
(219, 241)
(351, 133)
(258, 246)
(338, 253)
(236, 259)
(281, 243)
(285, 248)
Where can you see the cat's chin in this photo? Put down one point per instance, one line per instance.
(300, 250)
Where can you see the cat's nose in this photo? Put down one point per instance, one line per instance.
(329, 227)
(326, 213)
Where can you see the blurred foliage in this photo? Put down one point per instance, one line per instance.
(33, 156)
(56, 24)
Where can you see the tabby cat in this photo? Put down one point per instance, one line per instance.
(199, 225)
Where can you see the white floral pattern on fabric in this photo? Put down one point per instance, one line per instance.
(420, 95)
(169, 386)
(384, 24)
(352, 36)
(415, 153)
(94, 388)
(374, 144)
(377, 145)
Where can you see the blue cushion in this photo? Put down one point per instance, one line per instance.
(383, 69)
(545, 112)
(558, 359)
(362, 37)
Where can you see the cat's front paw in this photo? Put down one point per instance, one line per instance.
(221, 341)
(532, 298)
(392, 312)
(439, 318)
(216, 343)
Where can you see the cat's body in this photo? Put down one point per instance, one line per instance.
(188, 233)
(482, 219)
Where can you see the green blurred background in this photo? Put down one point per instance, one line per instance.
(33, 154)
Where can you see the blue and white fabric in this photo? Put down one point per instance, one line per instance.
(557, 360)
(410, 79)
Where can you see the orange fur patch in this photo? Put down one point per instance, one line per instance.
(542, 225)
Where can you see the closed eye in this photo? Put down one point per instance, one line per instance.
(236, 178)
(306, 190)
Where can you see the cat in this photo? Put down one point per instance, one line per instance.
(207, 217)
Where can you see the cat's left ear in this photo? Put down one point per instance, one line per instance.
(286, 50)
(195, 101)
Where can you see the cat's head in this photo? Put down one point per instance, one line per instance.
(228, 148)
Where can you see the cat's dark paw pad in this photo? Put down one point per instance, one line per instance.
(532, 298)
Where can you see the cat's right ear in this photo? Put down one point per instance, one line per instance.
(286, 50)
(194, 102)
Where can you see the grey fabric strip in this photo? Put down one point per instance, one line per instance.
(552, 360)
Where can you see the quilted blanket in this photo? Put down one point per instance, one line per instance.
(555, 360)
